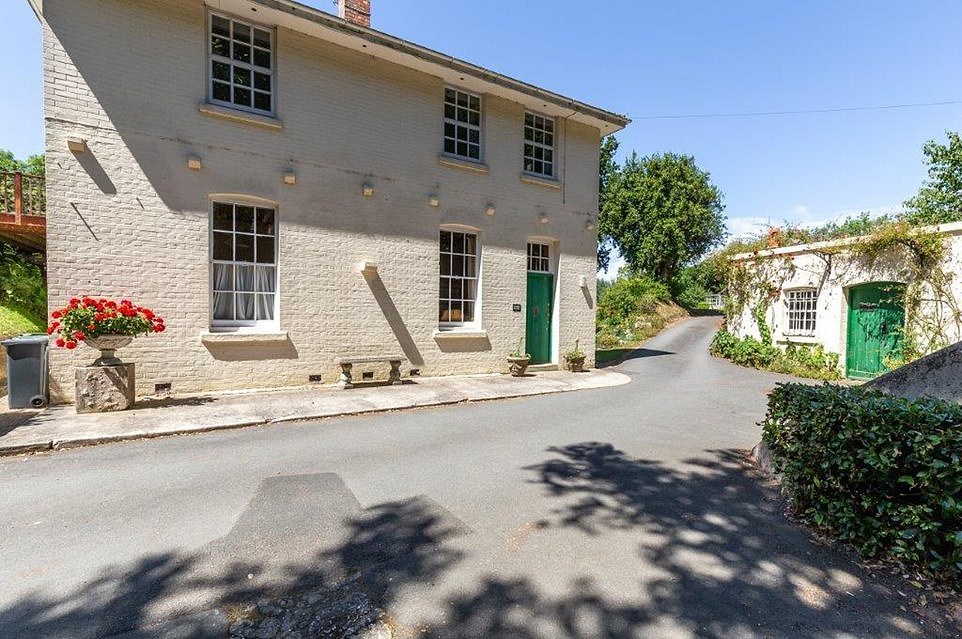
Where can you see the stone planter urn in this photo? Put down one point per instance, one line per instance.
(108, 345)
(575, 359)
(107, 384)
(518, 365)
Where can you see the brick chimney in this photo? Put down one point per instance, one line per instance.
(355, 11)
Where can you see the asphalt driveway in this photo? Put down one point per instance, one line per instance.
(618, 512)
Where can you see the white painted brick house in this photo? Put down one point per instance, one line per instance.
(243, 160)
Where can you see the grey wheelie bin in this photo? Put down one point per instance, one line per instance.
(27, 371)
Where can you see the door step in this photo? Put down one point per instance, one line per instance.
(542, 368)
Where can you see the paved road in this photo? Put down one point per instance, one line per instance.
(619, 512)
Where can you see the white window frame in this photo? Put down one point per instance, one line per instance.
(453, 126)
(255, 325)
(801, 310)
(540, 262)
(250, 66)
(539, 123)
(475, 323)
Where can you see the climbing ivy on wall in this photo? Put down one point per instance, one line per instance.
(932, 312)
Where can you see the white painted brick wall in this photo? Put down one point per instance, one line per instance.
(129, 218)
(807, 270)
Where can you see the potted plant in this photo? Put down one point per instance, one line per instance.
(575, 359)
(102, 324)
(518, 360)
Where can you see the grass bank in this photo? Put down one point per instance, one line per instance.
(644, 324)
(14, 321)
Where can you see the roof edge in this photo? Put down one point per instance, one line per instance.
(951, 228)
(37, 6)
(429, 55)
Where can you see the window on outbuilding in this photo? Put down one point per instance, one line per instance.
(459, 268)
(241, 65)
(243, 264)
(801, 311)
(539, 145)
(462, 124)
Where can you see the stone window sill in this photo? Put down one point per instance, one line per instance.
(537, 180)
(234, 115)
(464, 165)
(798, 339)
(235, 337)
(460, 334)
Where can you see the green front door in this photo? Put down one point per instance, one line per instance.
(876, 317)
(538, 330)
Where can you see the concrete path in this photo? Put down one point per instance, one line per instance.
(626, 511)
(27, 431)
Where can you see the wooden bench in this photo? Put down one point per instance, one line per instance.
(347, 363)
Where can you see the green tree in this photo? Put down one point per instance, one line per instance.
(939, 200)
(607, 170)
(33, 164)
(662, 213)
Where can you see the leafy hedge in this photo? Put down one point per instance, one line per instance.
(803, 360)
(881, 472)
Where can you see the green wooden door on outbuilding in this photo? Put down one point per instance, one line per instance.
(876, 319)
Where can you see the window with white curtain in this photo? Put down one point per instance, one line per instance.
(243, 265)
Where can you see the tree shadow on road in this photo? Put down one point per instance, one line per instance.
(736, 566)
(733, 565)
(387, 547)
(724, 563)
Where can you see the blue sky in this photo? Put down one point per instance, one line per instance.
(697, 57)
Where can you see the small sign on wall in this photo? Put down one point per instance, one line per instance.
(516, 308)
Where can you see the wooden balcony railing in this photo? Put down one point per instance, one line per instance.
(22, 194)
(23, 207)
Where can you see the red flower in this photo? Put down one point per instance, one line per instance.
(51, 329)
(149, 314)
(74, 302)
(91, 327)
(60, 342)
(78, 335)
(71, 345)
(56, 314)
(111, 305)
(159, 328)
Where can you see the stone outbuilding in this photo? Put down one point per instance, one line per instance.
(861, 304)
